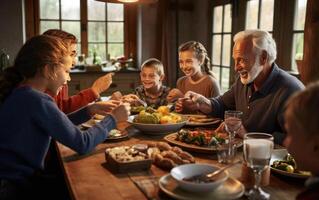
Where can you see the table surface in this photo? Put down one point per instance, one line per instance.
(88, 176)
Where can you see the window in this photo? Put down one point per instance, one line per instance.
(298, 32)
(221, 44)
(260, 15)
(102, 27)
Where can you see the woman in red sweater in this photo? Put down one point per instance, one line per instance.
(69, 104)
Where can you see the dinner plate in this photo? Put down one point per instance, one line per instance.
(207, 120)
(90, 123)
(279, 154)
(156, 129)
(230, 189)
(171, 138)
(120, 136)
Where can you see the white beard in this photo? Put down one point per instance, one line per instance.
(253, 73)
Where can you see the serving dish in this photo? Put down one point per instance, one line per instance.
(201, 120)
(183, 172)
(171, 138)
(279, 154)
(230, 189)
(156, 129)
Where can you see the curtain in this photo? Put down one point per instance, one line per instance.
(309, 70)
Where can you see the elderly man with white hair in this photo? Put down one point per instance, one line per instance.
(260, 91)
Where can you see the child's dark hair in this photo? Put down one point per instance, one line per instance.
(34, 55)
(200, 54)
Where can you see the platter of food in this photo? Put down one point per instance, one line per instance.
(201, 120)
(156, 122)
(141, 156)
(284, 164)
(199, 140)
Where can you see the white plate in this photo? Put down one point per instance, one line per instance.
(156, 129)
(230, 189)
(90, 123)
(212, 122)
(279, 154)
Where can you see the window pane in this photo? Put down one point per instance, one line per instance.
(49, 9)
(115, 32)
(100, 51)
(96, 10)
(226, 50)
(72, 27)
(267, 15)
(300, 14)
(217, 20)
(216, 49)
(216, 71)
(115, 12)
(227, 18)
(225, 79)
(252, 14)
(96, 32)
(45, 25)
(70, 9)
(297, 49)
(116, 50)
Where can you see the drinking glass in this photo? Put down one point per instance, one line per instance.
(233, 123)
(257, 153)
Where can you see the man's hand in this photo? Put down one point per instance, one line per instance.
(204, 104)
(103, 83)
(186, 105)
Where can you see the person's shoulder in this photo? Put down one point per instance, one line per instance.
(289, 81)
(211, 79)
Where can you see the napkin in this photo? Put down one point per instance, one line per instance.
(149, 186)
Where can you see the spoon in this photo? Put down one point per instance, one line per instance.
(209, 177)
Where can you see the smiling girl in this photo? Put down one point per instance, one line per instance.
(29, 118)
(195, 64)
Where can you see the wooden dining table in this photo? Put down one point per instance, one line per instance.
(89, 177)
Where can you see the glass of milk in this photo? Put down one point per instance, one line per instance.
(257, 153)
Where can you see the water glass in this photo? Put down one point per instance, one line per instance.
(226, 154)
(233, 123)
(257, 153)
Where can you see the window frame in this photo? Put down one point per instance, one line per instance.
(32, 22)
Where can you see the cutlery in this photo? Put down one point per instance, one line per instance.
(210, 176)
(142, 102)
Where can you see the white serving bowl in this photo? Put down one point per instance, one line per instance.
(189, 170)
(156, 129)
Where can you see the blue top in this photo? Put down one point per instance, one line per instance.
(28, 121)
(263, 109)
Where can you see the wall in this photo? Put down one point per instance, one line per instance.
(12, 32)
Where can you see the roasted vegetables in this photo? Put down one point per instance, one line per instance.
(201, 137)
(288, 164)
(159, 116)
